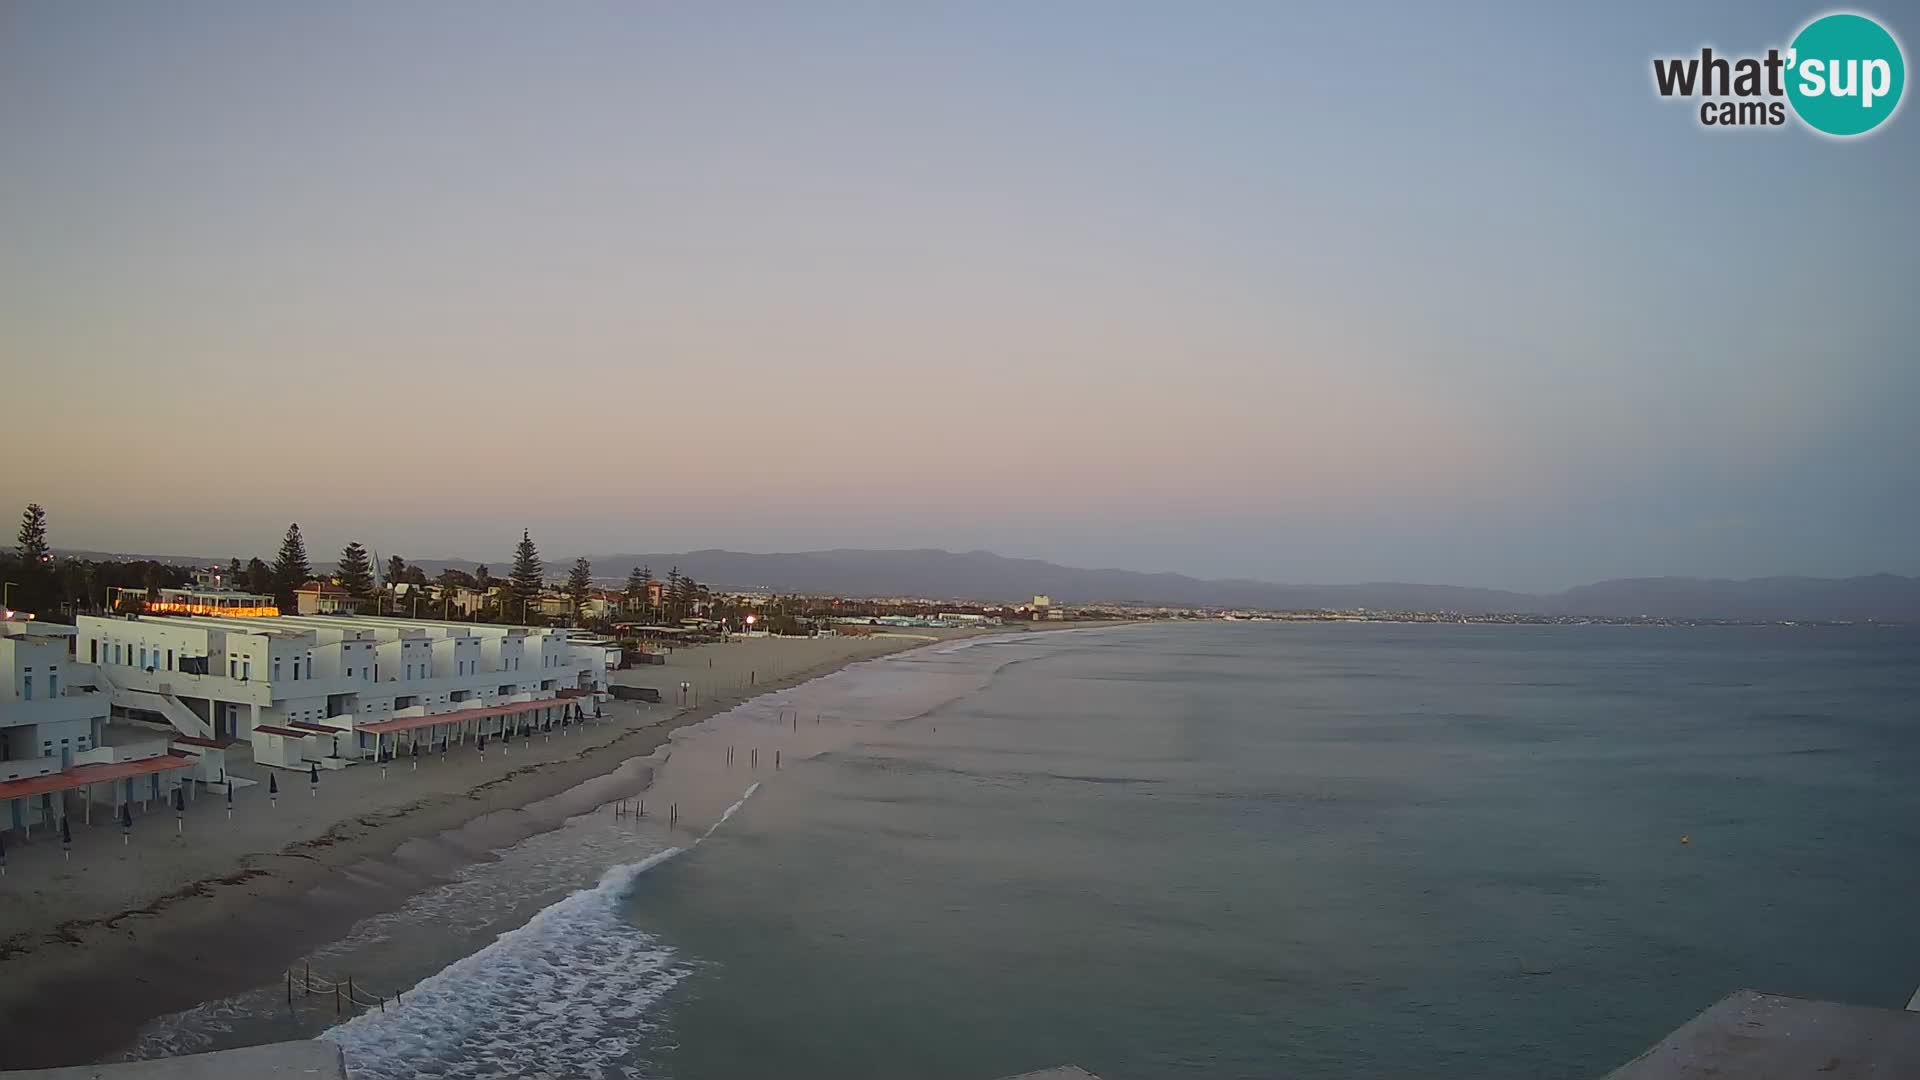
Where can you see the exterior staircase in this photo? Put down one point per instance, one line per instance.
(175, 711)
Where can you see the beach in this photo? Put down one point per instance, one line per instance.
(177, 913)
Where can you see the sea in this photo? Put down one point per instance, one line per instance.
(1182, 850)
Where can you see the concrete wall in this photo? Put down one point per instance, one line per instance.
(43, 711)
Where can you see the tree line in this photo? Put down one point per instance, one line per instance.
(50, 587)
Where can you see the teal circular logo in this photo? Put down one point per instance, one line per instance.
(1845, 74)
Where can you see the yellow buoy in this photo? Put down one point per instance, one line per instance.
(1684, 840)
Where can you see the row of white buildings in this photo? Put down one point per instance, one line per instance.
(304, 691)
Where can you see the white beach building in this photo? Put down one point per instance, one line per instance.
(329, 689)
(53, 734)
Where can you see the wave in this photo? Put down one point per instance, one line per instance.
(566, 994)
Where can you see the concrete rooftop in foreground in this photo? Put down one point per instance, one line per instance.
(307, 1060)
(1755, 1036)
(1746, 1036)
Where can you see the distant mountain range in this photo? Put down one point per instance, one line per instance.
(985, 577)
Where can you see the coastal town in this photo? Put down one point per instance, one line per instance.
(135, 688)
(131, 686)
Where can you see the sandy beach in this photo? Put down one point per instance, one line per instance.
(171, 915)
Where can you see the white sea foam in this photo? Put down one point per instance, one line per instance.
(565, 995)
(731, 810)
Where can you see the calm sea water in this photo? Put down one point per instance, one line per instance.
(1202, 850)
(1315, 851)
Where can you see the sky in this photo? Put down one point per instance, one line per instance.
(1307, 293)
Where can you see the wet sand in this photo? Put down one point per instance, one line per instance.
(126, 932)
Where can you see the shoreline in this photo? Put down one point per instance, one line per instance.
(214, 935)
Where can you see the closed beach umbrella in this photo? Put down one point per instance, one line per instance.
(179, 810)
(126, 823)
(313, 779)
(229, 802)
(273, 789)
(66, 839)
(3, 854)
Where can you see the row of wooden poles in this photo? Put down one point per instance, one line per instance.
(345, 994)
(637, 808)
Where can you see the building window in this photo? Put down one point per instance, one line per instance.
(296, 671)
(26, 687)
(233, 668)
(169, 659)
(93, 650)
(276, 669)
(246, 668)
(309, 667)
(143, 656)
(53, 685)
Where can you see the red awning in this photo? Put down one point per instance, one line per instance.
(458, 716)
(291, 733)
(81, 775)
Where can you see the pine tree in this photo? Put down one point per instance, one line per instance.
(290, 569)
(482, 579)
(36, 559)
(639, 584)
(396, 571)
(528, 574)
(670, 596)
(33, 536)
(579, 584)
(686, 600)
(356, 572)
(233, 573)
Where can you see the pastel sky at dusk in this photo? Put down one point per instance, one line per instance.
(1307, 293)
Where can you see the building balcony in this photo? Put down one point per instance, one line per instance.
(80, 705)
